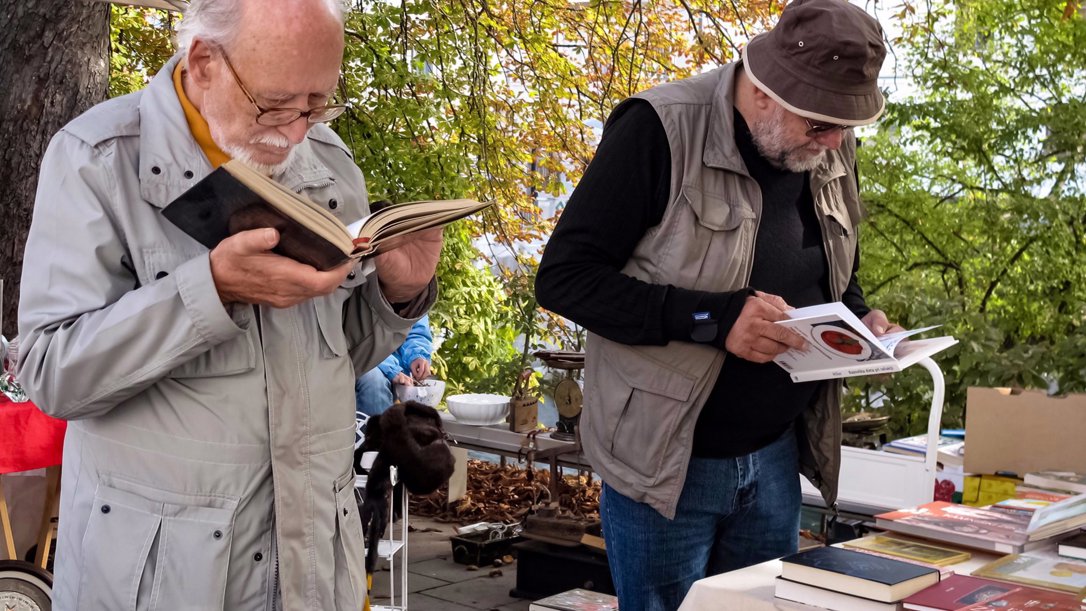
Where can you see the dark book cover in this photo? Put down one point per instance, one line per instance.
(220, 205)
(957, 591)
(869, 567)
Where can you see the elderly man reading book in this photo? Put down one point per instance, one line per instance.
(208, 463)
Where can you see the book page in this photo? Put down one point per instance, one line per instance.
(294, 205)
(402, 219)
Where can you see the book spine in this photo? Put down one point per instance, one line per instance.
(845, 372)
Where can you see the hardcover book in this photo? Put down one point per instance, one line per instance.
(974, 527)
(910, 550)
(1056, 518)
(1075, 547)
(1058, 480)
(827, 599)
(1027, 501)
(1040, 568)
(840, 345)
(576, 600)
(951, 450)
(858, 574)
(1028, 599)
(235, 198)
(955, 592)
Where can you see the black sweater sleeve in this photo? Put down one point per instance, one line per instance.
(623, 193)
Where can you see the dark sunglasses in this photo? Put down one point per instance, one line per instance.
(814, 128)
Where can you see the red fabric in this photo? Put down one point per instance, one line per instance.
(28, 438)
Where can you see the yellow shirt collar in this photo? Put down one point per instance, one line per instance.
(197, 125)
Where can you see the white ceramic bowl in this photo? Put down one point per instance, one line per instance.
(427, 392)
(478, 409)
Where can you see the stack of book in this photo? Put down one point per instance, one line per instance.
(1028, 501)
(1057, 480)
(848, 580)
(951, 451)
(986, 528)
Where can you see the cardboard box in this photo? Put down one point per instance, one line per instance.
(1022, 431)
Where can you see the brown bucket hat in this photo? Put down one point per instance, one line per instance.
(821, 61)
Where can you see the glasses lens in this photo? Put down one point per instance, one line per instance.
(277, 117)
(325, 113)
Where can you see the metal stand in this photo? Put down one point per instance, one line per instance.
(393, 549)
(873, 482)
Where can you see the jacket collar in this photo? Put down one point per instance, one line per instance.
(720, 149)
(170, 159)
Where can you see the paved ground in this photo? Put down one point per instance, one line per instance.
(436, 582)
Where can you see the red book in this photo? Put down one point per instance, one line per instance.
(1029, 599)
(955, 592)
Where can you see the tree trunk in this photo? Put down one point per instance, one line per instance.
(54, 64)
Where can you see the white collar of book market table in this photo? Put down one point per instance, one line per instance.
(873, 481)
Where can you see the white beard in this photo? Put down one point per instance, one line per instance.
(242, 153)
(770, 137)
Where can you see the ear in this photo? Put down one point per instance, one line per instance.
(761, 100)
(201, 63)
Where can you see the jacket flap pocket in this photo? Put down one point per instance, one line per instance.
(329, 311)
(832, 204)
(715, 212)
(643, 372)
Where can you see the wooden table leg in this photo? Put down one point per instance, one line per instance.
(48, 514)
(5, 523)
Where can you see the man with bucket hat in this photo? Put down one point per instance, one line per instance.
(714, 204)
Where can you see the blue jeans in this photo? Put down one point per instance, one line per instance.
(372, 393)
(732, 513)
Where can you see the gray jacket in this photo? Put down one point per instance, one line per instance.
(642, 402)
(209, 453)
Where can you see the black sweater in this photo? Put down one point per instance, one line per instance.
(623, 193)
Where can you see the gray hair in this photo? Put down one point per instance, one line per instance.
(217, 21)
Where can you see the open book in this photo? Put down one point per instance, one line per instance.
(236, 197)
(839, 345)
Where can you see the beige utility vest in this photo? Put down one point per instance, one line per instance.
(642, 402)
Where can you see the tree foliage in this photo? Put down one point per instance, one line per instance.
(502, 101)
(975, 187)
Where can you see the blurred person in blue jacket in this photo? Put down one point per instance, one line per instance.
(410, 363)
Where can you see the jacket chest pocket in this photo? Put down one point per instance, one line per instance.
(329, 313)
(149, 549)
(839, 231)
(709, 235)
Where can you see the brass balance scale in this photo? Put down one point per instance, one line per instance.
(568, 397)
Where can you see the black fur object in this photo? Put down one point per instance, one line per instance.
(410, 437)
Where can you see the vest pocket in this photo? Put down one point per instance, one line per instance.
(145, 551)
(657, 396)
(715, 212)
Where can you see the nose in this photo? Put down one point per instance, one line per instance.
(296, 130)
(831, 139)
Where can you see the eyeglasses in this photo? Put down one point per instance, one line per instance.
(274, 117)
(817, 129)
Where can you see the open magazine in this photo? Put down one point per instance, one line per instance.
(839, 345)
